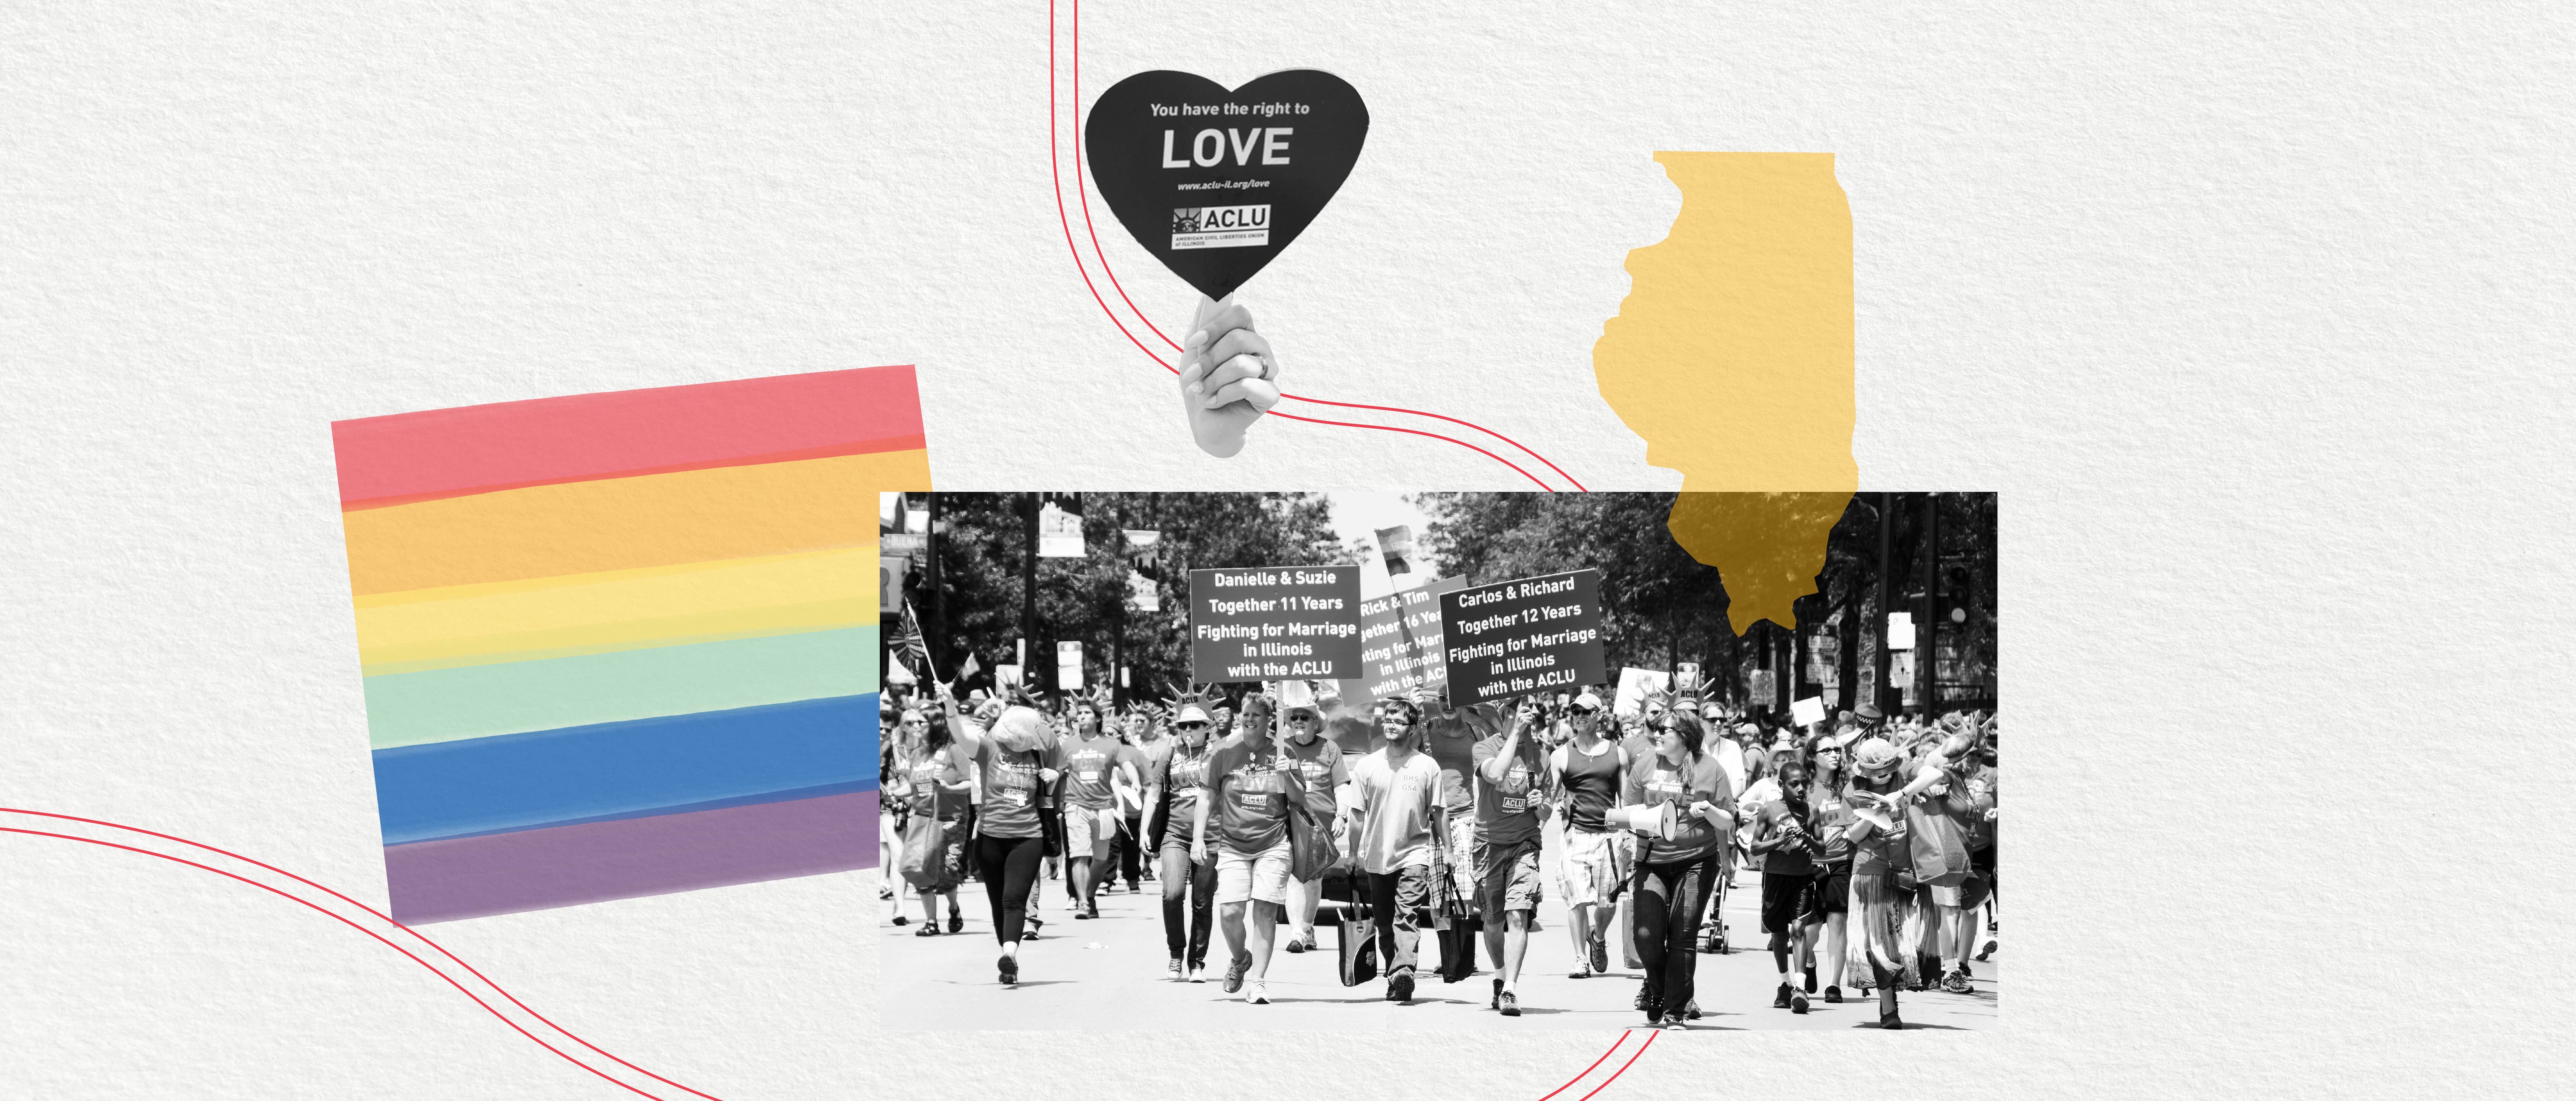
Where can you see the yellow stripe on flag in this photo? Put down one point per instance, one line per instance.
(626, 609)
(619, 524)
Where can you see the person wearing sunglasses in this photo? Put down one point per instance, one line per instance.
(1177, 784)
(1319, 765)
(1247, 795)
(1587, 771)
(1512, 784)
(939, 790)
(1674, 874)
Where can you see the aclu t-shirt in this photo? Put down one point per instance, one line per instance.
(1507, 813)
(1652, 781)
(1251, 811)
(1012, 792)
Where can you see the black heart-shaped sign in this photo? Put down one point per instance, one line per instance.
(1215, 183)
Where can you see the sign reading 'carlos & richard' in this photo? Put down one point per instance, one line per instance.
(1275, 623)
(1537, 634)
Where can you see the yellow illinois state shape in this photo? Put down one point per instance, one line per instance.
(1732, 357)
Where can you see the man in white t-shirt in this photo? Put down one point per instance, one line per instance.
(1395, 791)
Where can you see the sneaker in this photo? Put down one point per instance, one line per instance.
(1834, 994)
(1811, 980)
(1234, 973)
(899, 919)
(1295, 946)
(1690, 1009)
(1173, 969)
(1399, 987)
(1672, 1022)
(1309, 941)
(1641, 1002)
(956, 924)
(1600, 955)
(1034, 923)
(1889, 1020)
(1091, 910)
(1511, 1004)
(1956, 982)
(1082, 915)
(1579, 972)
(1798, 1003)
(1198, 972)
(1010, 968)
(1987, 949)
(1257, 994)
(1496, 1002)
(1780, 1000)
(1963, 969)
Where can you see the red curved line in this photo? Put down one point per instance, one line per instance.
(1560, 471)
(1078, 193)
(1084, 199)
(460, 987)
(1569, 1083)
(387, 918)
(1623, 1067)
(1433, 435)
(1055, 179)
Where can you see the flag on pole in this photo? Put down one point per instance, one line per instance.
(911, 649)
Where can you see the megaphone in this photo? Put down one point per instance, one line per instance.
(1658, 819)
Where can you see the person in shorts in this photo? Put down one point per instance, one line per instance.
(1511, 800)
(1830, 821)
(1586, 771)
(1247, 795)
(1788, 852)
(1094, 766)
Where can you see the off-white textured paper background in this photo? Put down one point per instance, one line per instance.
(2257, 318)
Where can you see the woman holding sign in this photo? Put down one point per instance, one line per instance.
(1247, 793)
(1674, 873)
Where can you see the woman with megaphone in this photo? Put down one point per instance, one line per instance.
(1680, 800)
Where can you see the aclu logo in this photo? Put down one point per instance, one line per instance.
(1220, 226)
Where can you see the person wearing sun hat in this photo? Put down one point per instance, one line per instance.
(1319, 765)
(1878, 854)
(1175, 786)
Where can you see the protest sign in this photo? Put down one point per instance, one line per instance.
(1536, 634)
(1400, 644)
(1068, 666)
(1214, 183)
(1274, 623)
(1634, 686)
(1807, 711)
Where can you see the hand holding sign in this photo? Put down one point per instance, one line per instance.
(1215, 183)
(1228, 377)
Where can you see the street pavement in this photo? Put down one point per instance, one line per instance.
(1108, 974)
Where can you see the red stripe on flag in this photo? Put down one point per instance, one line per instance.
(476, 448)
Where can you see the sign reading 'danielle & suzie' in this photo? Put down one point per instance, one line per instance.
(1537, 634)
(1275, 623)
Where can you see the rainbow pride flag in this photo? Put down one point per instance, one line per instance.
(624, 644)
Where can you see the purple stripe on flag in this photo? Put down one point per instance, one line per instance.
(540, 869)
